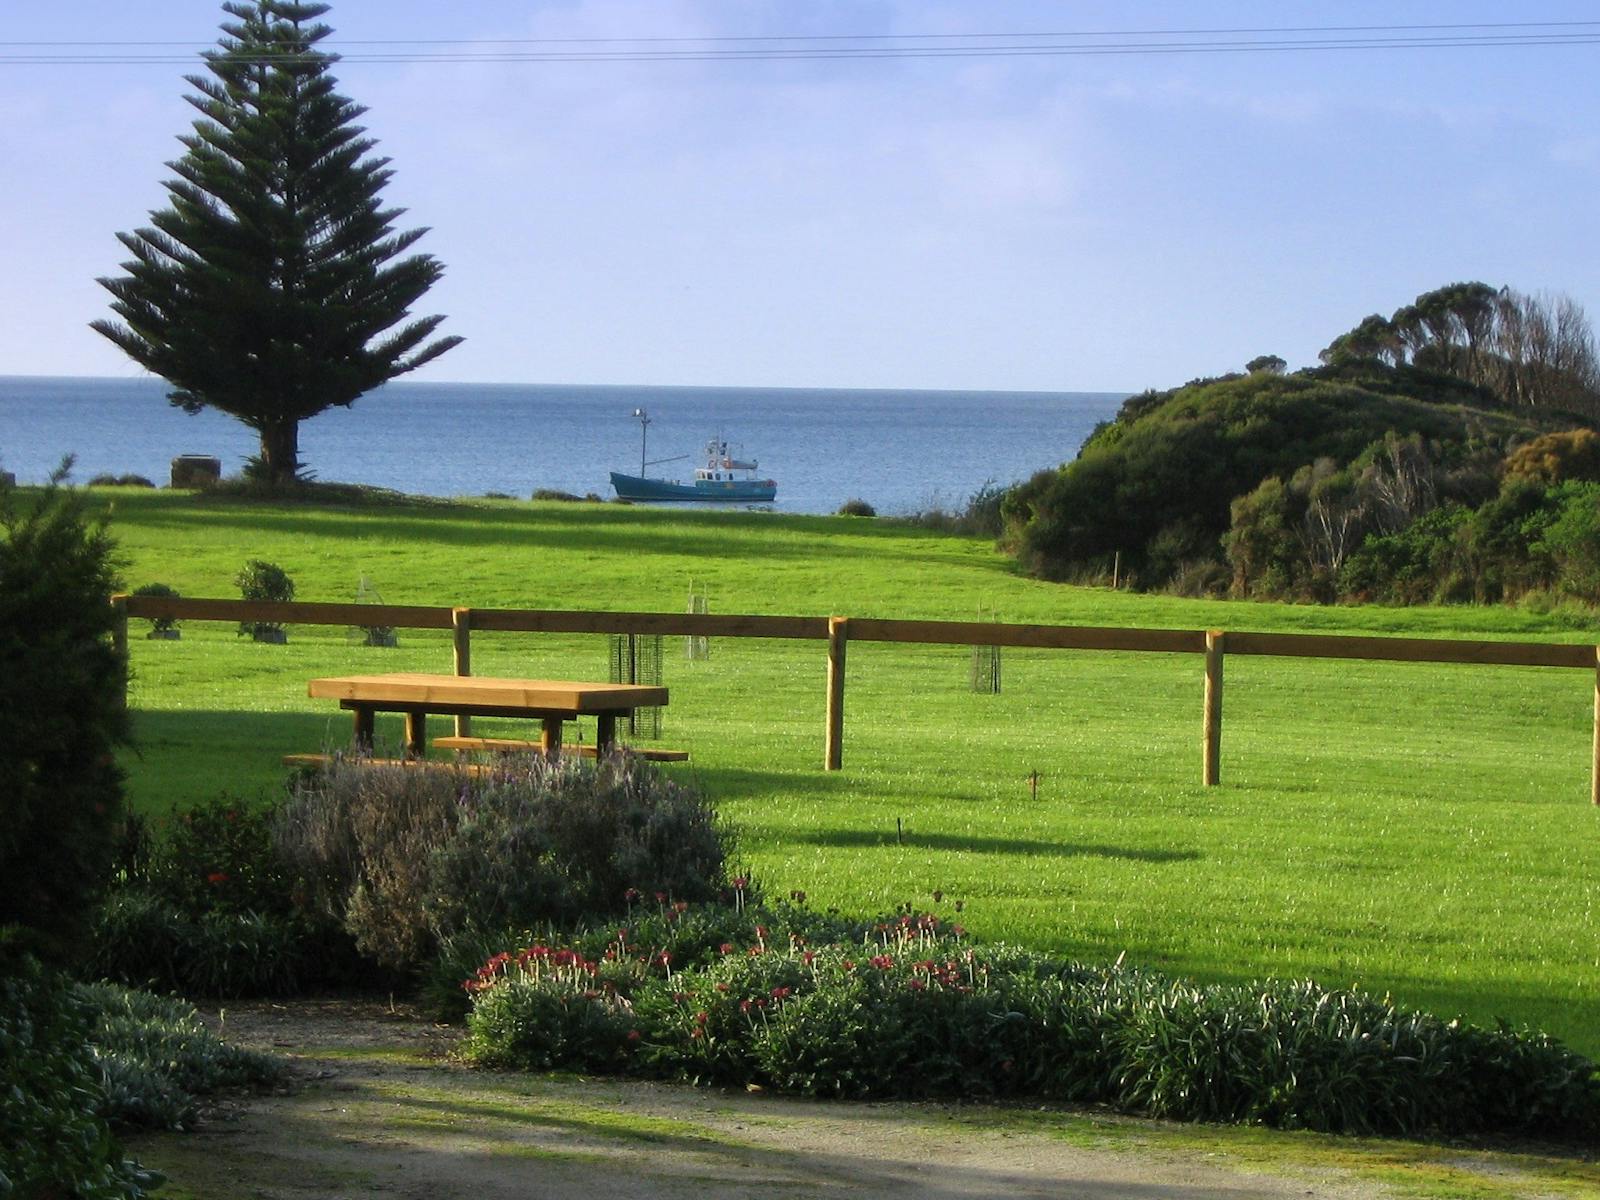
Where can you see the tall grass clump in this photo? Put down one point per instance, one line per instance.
(912, 1009)
(405, 859)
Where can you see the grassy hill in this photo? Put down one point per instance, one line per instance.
(1422, 830)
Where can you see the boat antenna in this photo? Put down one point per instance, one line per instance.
(644, 433)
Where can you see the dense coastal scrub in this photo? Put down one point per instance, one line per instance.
(1436, 457)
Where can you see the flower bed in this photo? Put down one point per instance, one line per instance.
(908, 1007)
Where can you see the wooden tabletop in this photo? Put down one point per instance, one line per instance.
(447, 691)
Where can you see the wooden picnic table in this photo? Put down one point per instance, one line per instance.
(550, 701)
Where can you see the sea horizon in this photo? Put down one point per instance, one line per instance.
(898, 449)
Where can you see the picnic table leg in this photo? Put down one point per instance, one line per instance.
(605, 734)
(363, 731)
(416, 734)
(550, 739)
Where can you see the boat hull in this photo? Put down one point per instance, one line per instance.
(635, 487)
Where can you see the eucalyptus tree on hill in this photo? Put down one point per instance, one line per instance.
(273, 286)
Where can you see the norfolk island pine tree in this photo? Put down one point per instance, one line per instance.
(273, 287)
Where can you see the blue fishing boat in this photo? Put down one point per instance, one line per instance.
(723, 477)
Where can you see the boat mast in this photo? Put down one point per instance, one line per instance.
(644, 433)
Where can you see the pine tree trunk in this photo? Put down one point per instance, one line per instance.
(280, 450)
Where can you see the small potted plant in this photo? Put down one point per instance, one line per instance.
(161, 628)
(267, 582)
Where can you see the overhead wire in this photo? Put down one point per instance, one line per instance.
(835, 47)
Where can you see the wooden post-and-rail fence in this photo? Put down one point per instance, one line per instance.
(838, 632)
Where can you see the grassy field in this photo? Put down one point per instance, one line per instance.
(1421, 830)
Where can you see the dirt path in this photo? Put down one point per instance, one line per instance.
(379, 1108)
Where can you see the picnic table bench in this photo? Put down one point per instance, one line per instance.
(549, 701)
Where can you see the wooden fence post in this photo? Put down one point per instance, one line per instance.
(119, 639)
(1594, 772)
(838, 638)
(461, 636)
(1211, 754)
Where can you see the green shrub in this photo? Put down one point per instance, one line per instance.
(403, 858)
(53, 1139)
(143, 940)
(163, 592)
(269, 583)
(61, 714)
(208, 909)
(220, 857)
(856, 508)
(552, 1012)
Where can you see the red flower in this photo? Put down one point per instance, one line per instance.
(726, 947)
(633, 1035)
(217, 877)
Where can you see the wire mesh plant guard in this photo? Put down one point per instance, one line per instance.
(636, 658)
(372, 635)
(986, 667)
(697, 647)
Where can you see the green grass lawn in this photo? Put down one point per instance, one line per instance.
(1422, 830)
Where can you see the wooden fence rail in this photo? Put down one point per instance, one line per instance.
(837, 632)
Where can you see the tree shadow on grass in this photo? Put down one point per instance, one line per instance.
(874, 839)
(589, 528)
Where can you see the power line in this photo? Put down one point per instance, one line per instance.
(866, 37)
(836, 47)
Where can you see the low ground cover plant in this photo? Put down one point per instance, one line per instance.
(54, 1138)
(158, 1060)
(910, 1008)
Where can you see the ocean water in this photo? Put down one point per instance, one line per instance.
(900, 451)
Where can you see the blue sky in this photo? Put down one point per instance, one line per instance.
(1053, 223)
